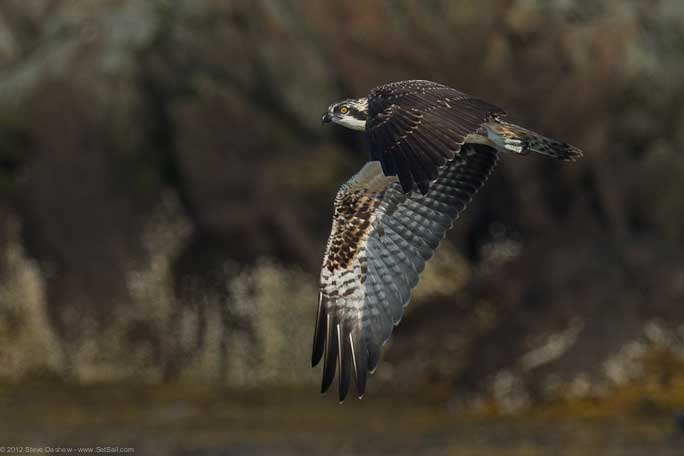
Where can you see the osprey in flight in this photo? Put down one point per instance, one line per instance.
(432, 148)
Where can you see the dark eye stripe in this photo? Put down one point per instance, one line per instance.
(356, 112)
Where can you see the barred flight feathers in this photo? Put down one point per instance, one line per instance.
(415, 127)
(380, 240)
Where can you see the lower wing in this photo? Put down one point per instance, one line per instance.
(380, 240)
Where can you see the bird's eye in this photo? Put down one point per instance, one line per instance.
(344, 110)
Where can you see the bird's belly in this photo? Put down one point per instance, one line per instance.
(475, 138)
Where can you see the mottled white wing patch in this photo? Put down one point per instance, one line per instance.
(381, 238)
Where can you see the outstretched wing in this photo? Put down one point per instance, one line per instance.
(381, 238)
(415, 127)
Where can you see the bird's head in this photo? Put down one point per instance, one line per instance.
(350, 113)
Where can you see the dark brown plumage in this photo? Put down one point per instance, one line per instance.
(414, 127)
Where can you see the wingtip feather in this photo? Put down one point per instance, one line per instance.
(359, 363)
(344, 360)
(319, 333)
(330, 358)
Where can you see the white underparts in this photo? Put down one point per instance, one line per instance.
(351, 122)
(475, 138)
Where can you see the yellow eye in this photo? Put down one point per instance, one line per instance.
(344, 110)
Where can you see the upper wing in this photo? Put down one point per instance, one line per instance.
(414, 127)
(380, 241)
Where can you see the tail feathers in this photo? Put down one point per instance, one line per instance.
(519, 140)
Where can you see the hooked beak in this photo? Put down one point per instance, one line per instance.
(327, 118)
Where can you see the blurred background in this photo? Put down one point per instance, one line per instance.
(166, 192)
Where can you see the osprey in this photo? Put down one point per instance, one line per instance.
(423, 136)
